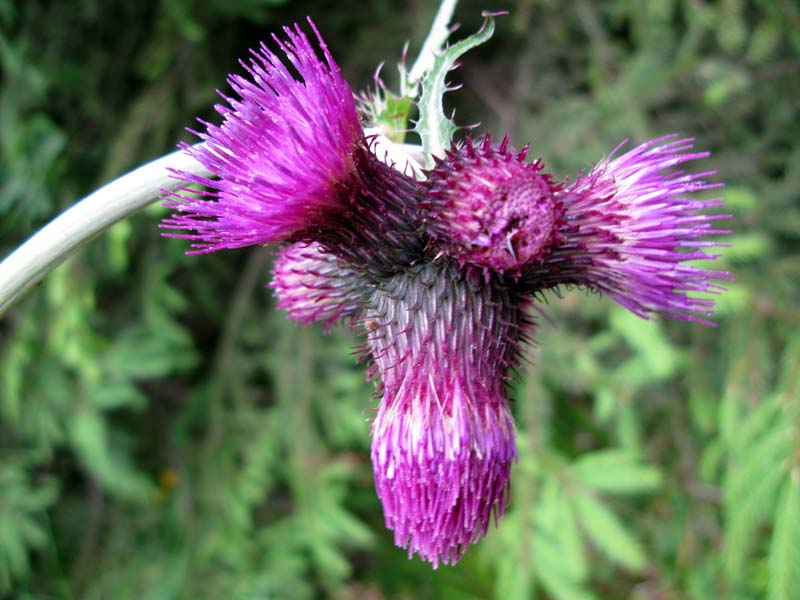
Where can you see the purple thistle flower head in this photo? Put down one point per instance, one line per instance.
(629, 227)
(488, 207)
(284, 149)
(438, 273)
(290, 163)
(314, 286)
(443, 343)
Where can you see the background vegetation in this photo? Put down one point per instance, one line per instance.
(165, 433)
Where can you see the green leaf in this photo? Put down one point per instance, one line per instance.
(746, 247)
(23, 499)
(506, 550)
(657, 359)
(573, 551)
(751, 489)
(758, 423)
(114, 394)
(758, 450)
(740, 198)
(784, 552)
(608, 534)
(140, 353)
(435, 129)
(764, 42)
(555, 583)
(557, 535)
(616, 472)
(90, 440)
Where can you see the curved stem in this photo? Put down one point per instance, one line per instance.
(86, 219)
(437, 37)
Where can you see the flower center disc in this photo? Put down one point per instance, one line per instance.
(512, 227)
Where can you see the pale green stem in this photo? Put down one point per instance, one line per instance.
(434, 42)
(86, 219)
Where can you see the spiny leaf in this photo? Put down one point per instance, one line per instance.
(389, 113)
(435, 129)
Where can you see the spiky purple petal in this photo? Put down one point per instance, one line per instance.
(443, 343)
(631, 230)
(280, 156)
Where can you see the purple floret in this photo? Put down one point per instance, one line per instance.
(312, 285)
(283, 150)
(632, 229)
(487, 207)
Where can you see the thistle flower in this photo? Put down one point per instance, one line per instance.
(314, 286)
(443, 343)
(291, 163)
(623, 229)
(439, 273)
(630, 226)
(488, 207)
(282, 150)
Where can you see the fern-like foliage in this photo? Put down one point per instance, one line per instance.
(164, 432)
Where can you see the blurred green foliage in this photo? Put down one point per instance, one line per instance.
(165, 433)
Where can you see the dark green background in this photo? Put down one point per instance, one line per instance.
(165, 433)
